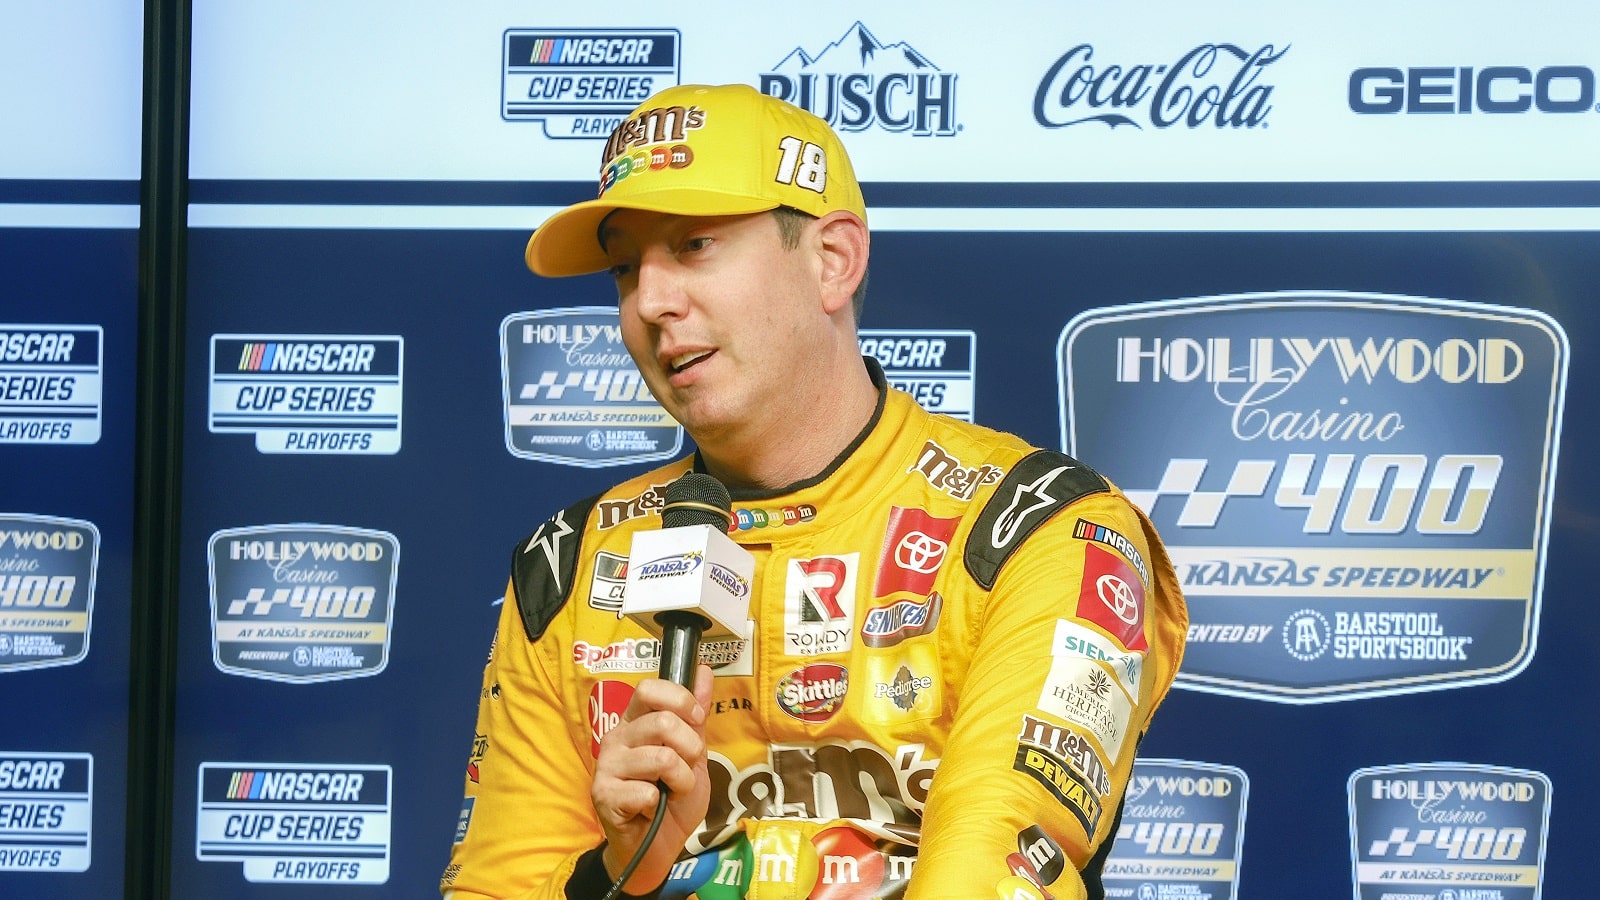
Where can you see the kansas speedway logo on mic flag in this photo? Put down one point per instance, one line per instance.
(47, 570)
(573, 395)
(1355, 489)
(304, 393)
(302, 603)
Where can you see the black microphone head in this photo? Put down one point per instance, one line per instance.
(697, 499)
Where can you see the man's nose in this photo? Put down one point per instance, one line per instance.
(658, 291)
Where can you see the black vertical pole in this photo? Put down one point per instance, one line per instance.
(163, 207)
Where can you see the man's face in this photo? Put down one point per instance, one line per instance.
(717, 314)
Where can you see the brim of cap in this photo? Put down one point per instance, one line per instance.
(568, 243)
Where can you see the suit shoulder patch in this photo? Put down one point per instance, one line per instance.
(543, 566)
(1039, 485)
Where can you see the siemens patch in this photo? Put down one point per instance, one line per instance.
(51, 378)
(309, 393)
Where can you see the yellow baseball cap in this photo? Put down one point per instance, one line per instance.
(703, 150)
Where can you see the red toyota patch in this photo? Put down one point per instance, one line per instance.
(1112, 597)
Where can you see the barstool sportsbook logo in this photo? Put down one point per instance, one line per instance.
(302, 603)
(1355, 489)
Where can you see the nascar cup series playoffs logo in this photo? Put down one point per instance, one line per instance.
(1448, 831)
(302, 603)
(1341, 525)
(573, 395)
(46, 811)
(1182, 832)
(296, 823)
(300, 393)
(934, 367)
(50, 384)
(47, 570)
(581, 82)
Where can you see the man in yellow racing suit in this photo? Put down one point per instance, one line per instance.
(958, 643)
(956, 640)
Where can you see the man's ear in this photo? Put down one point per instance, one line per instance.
(842, 244)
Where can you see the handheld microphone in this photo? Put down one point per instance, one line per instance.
(689, 580)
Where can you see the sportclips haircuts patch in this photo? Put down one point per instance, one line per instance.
(302, 603)
(573, 395)
(1355, 489)
(1448, 830)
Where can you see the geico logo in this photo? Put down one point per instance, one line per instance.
(902, 353)
(1407, 360)
(619, 384)
(1181, 785)
(304, 398)
(333, 601)
(1492, 89)
(291, 551)
(575, 336)
(31, 774)
(36, 346)
(1387, 489)
(296, 356)
(41, 539)
(1202, 86)
(1435, 790)
(46, 591)
(922, 103)
(333, 787)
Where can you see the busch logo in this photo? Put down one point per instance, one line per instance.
(858, 81)
(1212, 83)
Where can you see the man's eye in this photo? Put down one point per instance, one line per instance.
(696, 243)
(621, 270)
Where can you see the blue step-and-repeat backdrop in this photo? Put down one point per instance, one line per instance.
(1312, 282)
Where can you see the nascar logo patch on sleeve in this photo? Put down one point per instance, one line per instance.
(1036, 487)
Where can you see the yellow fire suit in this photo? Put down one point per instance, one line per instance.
(958, 641)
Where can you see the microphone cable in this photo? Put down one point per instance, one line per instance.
(693, 499)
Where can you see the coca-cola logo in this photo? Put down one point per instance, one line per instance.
(1215, 84)
(814, 692)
